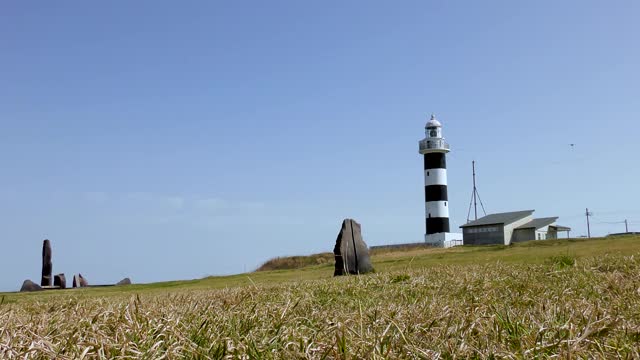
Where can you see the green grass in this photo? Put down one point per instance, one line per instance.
(568, 299)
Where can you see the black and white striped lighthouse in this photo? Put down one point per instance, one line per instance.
(434, 149)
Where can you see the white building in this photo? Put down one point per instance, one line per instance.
(510, 227)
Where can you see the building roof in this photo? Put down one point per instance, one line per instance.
(538, 223)
(500, 218)
(561, 228)
(433, 122)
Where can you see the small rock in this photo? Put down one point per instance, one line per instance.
(29, 285)
(60, 281)
(125, 281)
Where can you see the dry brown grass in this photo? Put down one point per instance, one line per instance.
(564, 307)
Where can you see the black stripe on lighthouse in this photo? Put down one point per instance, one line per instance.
(437, 225)
(435, 193)
(435, 161)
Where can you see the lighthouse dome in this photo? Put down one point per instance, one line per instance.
(433, 122)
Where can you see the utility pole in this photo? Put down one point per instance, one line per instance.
(587, 213)
(626, 226)
(475, 207)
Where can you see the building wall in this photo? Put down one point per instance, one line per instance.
(483, 235)
(509, 228)
(520, 235)
(543, 233)
(548, 233)
(444, 239)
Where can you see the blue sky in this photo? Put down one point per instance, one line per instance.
(162, 141)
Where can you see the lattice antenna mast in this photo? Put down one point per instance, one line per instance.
(475, 190)
(475, 197)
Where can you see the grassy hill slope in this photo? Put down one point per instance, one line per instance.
(568, 299)
(387, 260)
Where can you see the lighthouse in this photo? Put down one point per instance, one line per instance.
(434, 149)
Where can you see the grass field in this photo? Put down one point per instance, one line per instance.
(565, 298)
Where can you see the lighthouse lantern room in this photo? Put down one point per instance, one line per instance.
(434, 149)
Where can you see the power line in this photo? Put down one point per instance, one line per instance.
(626, 223)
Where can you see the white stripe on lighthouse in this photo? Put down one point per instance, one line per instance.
(435, 177)
(437, 209)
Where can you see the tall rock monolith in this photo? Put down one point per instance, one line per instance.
(351, 252)
(47, 265)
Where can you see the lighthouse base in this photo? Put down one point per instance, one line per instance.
(443, 239)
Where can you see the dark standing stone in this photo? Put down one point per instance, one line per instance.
(351, 252)
(47, 265)
(125, 281)
(60, 280)
(79, 281)
(29, 285)
(83, 281)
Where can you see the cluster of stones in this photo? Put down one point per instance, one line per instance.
(351, 258)
(351, 252)
(59, 281)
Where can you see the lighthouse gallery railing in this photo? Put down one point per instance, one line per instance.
(427, 144)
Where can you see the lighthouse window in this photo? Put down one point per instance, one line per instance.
(429, 215)
(445, 203)
(427, 173)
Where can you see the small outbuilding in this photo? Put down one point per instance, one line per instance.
(510, 227)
